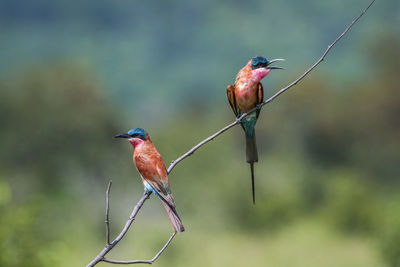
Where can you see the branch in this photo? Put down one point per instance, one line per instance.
(237, 121)
(109, 246)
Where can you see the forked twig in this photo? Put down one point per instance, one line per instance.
(109, 246)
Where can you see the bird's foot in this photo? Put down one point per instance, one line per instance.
(258, 107)
(238, 120)
(146, 192)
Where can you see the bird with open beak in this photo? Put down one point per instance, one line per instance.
(245, 94)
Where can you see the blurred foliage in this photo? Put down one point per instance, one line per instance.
(20, 243)
(390, 236)
(50, 115)
(327, 183)
(350, 205)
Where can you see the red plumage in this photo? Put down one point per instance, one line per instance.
(152, 170)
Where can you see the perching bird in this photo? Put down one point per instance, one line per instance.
(152, 170)
(246, 94)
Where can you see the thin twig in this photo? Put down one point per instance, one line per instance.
(108, 247)
(107, 212)
(237, 121)
(143, 261)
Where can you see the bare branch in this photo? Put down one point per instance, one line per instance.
(237, 121)
(107, 212)
(143, 261)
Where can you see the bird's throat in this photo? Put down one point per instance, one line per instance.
(259, 74)
(136, 142)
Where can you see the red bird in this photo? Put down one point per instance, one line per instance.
(152, 170)
(246, 94)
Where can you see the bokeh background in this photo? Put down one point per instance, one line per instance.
(74, 73)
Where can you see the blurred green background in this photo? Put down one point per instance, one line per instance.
(74, 73)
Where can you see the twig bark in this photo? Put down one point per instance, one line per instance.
(237, 121)
(107, 212)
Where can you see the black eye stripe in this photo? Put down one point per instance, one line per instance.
(137, 135)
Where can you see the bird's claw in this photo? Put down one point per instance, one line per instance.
(238, 120)
(258, 107)
(147, 194)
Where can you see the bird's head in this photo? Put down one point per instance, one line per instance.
(260, 67)
(135, 136)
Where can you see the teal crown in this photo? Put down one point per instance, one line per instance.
(137, 131)
(258, 61)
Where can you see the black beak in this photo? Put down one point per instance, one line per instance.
(274, 67)
(124, 135)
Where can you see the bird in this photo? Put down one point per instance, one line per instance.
(152, 170)
(245, 94)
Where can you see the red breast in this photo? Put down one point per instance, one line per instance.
(246, 88)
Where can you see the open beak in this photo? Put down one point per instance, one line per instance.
(274, 67)
(124, 135)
